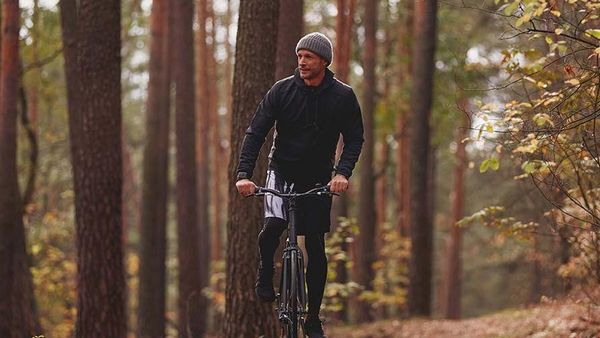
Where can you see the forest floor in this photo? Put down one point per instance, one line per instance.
(553, 319)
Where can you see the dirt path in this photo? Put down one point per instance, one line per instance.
(550, 320)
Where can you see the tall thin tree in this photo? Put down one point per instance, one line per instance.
(17, 317)
(341, 63)
(421, 227)
(453, 273)
(365, 242)
(253, 76)
(152, 274)
(188, 251)
(203, 116)
(405, 29)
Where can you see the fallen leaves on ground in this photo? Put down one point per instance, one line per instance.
(544, 321)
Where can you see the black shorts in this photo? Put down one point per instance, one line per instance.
(313, 214)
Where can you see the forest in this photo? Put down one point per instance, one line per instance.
(473, 211)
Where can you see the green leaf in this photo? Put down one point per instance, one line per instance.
(483, 167)
(511, 8)
(494, 163)
(528, 167)
(490, 163)
(593, 32)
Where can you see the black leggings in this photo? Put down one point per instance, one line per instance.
(316, 270)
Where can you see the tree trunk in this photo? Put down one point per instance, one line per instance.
(421, 228)
(290, 28)
(30, 108)
(17, 316)
(403, 150)
(245, 316)
(289, 32)
(365, 241)
(226, 121)
(188, 252)
(153, 246)
(203, 113)
(343, 34)
(98, 170)
(341, 63)
(218, 153)
(453, 275)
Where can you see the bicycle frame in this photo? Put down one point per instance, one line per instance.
(292, 297)
(291, 308)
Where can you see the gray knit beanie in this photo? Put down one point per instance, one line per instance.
(317, 43)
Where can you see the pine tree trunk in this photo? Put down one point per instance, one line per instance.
(218, 153)
(341, 64)
(405, 30)
(290, 27)
(453, 278)
(98, 171)
(189, 304)
(245, 316)
(289, 32)
(203, 108)
(365, 241)
(17, 316)
(421, 228)
(153, 246)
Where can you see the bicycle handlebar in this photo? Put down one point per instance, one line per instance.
(261, 191)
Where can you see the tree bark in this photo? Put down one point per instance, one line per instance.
(152, 274)
(218, 153)
(17, 316)
(405, 32)
(365, 241)
(341, 56)
(421, 228)
(289, 31)
(98, 170)
(245, 316)
(188, 252)
(203, 112)
(453, 276)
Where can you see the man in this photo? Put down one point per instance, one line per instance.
(310, 110)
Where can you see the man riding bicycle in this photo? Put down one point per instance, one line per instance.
(309, 110)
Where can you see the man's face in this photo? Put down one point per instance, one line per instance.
(310, 64)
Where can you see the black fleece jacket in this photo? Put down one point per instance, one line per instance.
(308, 122)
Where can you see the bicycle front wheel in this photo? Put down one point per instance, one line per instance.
(293, 295)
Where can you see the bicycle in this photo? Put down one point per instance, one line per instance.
(292, 298)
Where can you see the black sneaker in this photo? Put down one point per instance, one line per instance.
(313, 328)
(264, 284)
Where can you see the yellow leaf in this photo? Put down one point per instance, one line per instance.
(558, 31)
(574, 82)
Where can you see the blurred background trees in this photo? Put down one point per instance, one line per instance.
(505, 94)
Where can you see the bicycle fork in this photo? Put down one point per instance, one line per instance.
(293, 259)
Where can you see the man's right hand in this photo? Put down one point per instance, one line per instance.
(245, 187)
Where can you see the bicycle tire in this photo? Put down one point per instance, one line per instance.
(293, 297)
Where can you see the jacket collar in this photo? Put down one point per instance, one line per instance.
(328, 80)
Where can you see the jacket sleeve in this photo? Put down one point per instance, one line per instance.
(261, 124)
(352, 132)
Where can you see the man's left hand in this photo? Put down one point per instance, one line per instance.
(338, 184)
